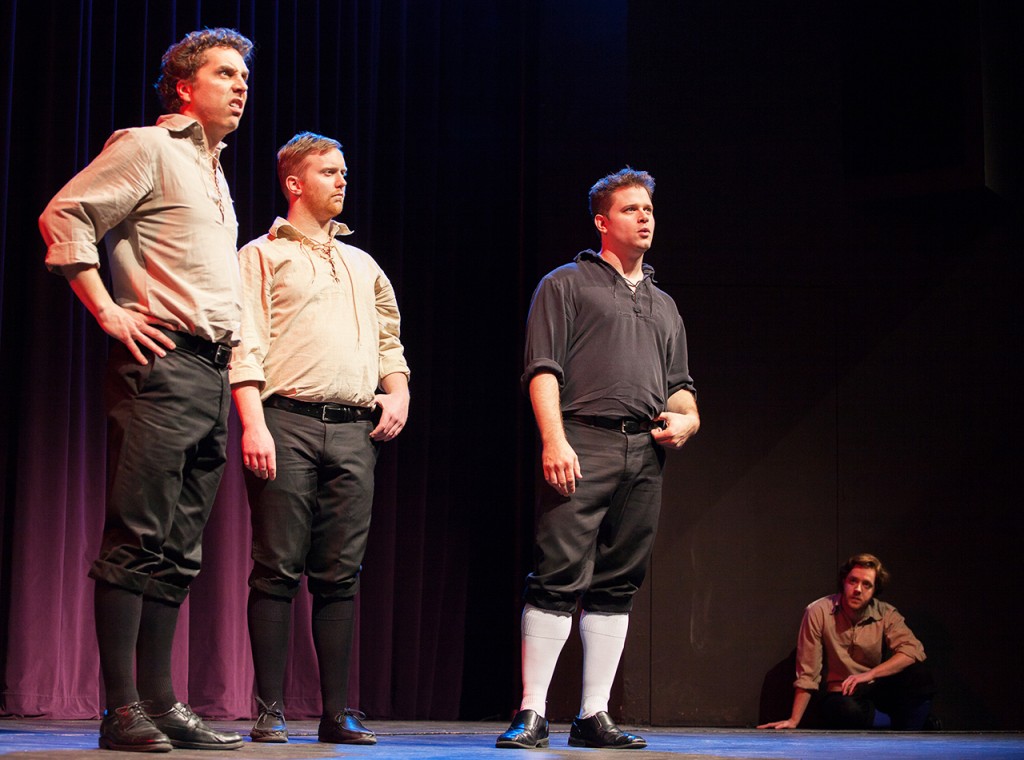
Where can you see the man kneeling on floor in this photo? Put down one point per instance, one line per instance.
(872, 663)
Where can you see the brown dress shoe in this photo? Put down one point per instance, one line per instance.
(129, 729)
(528, 730)
(345, 728)
(270, 725)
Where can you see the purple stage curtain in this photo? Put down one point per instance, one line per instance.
(390, 80)
(52, 663)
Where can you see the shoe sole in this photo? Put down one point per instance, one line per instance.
(200, 745)
(509, 744)
(154, 747)
(272, 737)
(363, 742)
(595, 745)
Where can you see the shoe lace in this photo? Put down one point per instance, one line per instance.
(271, 709)
(134, 711)
(180, 707)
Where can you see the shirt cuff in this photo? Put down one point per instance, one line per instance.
(542, 365)
(60, 255)
(239, 372)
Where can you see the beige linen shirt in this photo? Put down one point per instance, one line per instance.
(315, 329)
(828, 640)
(163, 205)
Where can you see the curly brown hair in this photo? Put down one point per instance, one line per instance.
(183, 59)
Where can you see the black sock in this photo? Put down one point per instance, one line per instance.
(118, 612)
(332, 637)
(270, 619)
(156, 641)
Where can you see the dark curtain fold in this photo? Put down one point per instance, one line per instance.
(428, 100)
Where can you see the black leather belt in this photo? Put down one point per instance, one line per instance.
(218, 354)
(323, 412)
(622, 424)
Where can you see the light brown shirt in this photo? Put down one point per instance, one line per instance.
(313, 328)
(829, 641)
(162, 203)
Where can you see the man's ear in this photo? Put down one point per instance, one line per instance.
(184, 89)
(601, 222)
(294, 184)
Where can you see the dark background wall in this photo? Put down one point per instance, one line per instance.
(847, 260)
(838, 207)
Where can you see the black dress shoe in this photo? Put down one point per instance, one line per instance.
(270, 725)
(528, 730)
(600, 732)
(345, 728)
(186, 730)
(129, 729)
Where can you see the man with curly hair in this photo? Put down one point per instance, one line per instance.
(160, 198)
(870, 661)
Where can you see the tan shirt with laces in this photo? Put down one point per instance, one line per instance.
(317, 325)
(161, 202)
(829, 644)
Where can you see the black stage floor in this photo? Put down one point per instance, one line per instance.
(409, 740)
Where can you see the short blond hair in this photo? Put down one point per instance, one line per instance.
(294, 153)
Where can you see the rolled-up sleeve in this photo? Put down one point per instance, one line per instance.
(679, 363)
(548, 328)
(94, 201)
(809, 649)
(899, 639)
(257, 282)
(389, 321)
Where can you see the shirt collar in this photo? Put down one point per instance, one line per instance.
(590, 255)
(871, 613)
(180, 124)
(281, 228)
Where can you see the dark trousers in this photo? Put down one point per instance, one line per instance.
(905, 697)
(596, 544)
(166, 440)
(315, 517)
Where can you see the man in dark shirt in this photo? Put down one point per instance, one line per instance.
(608, 378)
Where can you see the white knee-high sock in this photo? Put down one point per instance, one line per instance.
(604, 636)
(544, 635)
